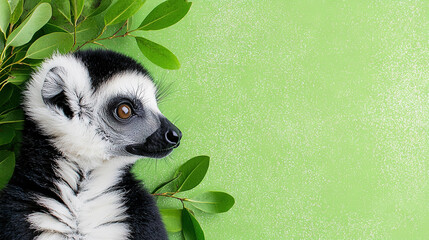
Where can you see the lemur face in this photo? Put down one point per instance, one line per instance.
(99, 105)
(129, 117)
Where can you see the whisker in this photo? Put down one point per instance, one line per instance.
(144, 163)
(156, 165)
(167, 160)
(176, 119)
(164, 89)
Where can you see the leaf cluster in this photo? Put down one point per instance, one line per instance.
(33, 30)
(188, 176)
(10, 131)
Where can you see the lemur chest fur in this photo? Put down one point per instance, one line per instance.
(88, 204)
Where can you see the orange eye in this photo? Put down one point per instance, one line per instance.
(124, 111)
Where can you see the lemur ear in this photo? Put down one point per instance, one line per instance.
(53, 91)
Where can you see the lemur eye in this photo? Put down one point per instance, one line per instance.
(124, 111)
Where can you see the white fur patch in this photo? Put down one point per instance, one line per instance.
(133, 84)
(90, 208)
(74, 137)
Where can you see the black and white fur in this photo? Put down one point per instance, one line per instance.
(72, 179)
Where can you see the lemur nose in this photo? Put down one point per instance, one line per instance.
(173, 137)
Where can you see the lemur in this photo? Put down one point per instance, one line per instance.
(89, 116)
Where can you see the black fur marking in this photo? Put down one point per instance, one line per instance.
(103, 64)
(156, 145)
(53, 92)
(61, 101)
(34, 174)
(145, 221)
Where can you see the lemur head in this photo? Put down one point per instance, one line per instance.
(99, 105)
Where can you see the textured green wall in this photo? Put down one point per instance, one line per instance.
(315, 115)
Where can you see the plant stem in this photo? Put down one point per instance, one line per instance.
(10, 29)
(108, 38)
(15, 121)
(123, 25)
(12, 55)
(93, 40)
(112, 37)
(2, 54)
(74, 35)
(4, 83)
(7, 59)
(80, 23)
(2, 75)
(99, 44)
(118, 36)
(14, 63)
(170, 196)
(6, 111)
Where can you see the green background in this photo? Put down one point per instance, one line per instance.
(315, 115)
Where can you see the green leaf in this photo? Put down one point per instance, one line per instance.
(61, 12)
(165, 15)
(190, 227)
(51, 28)
(158, 54)
(192, 173)
(130, 22)
(17, 77)
(77, 7)
(6, 134)
(48, 44)
(121, 11)
(19, 53)
(13, 102)
(25, 31)
(4, 16)
(213, 202)
(7, 164)
(165, 183)
(19, 127)
(87, 30)
(104, 4)
(5, 94)
(1, 43)
(34, 62)
(16, 10)
(12, 117)
(18, 134)
(172, 219)
(13, 4)
(30, 6)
